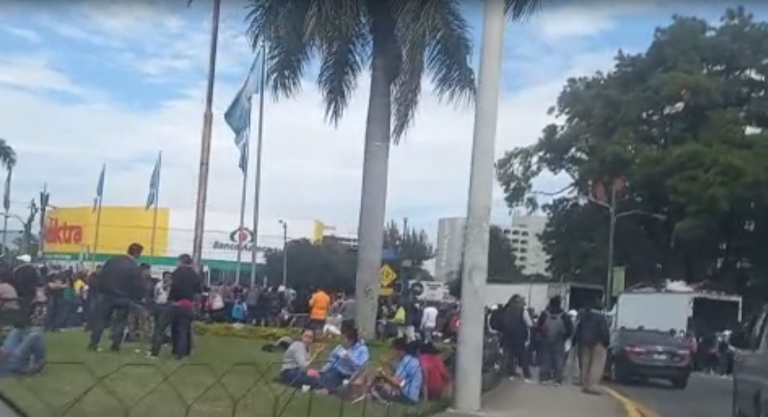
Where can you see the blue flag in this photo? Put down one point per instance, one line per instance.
(100, 187)
(238, 114)
(154, 183)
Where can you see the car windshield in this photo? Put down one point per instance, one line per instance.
(647, 337)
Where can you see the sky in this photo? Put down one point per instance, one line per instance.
(85, 83)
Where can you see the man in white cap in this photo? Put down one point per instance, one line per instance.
(572, 356)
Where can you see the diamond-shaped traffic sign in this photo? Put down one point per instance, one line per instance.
(387, 276)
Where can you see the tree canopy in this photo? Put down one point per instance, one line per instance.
(329, 265)
(684, 125)
(411, 244)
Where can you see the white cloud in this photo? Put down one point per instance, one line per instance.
(26, 34)
(587, 19)
(310, 169)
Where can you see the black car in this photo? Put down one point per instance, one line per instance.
(637, 354)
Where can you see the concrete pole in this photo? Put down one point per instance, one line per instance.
(475, 266)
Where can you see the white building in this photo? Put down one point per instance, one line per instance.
(524, 237)
(450, 242)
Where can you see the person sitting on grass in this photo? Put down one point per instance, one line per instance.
(345, 362)
(295, 370)
(405, 384)
(22, 353)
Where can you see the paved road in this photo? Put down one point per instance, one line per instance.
(706, 396)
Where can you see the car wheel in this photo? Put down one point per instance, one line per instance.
(617, 375)
(680, 383)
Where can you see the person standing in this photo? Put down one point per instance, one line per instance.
(592, 337)
(516, 329)
(348, 311)
(428, 323)
(319, 305)
(160, 314)
(184, 292)
(555, 327)
(120, 283)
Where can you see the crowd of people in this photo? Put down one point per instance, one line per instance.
(567, 346)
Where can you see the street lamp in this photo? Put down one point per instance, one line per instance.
(614, 217)
(285, 252)
(6, 216)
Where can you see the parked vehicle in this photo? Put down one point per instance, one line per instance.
(750, 369)
(637, 354)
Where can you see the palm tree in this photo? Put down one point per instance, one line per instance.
(7, 155)
(401, 41)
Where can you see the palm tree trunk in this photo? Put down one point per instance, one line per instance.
(373, 197)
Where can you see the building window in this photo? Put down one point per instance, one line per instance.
(525, 233)
(524, 242)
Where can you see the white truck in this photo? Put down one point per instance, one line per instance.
(537, 294)
(679, 310)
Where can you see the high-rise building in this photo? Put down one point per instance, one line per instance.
(526, 244)
(450, 243)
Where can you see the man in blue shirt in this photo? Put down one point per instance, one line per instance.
(404, 386)
(344, 362)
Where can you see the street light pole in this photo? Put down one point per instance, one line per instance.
(611, 239)
(469, 359)
(285, 253)
(613, 218)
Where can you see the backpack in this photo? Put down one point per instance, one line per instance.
(553, 329)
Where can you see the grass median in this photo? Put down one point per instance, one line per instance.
(226, 376)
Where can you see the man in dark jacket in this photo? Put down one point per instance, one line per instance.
(554, 327)
(119, 283)
(184, 293)
(516, 327)
(592, 338)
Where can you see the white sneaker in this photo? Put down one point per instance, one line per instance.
(511, 379)
(528, 381)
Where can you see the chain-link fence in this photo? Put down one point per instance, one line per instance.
(186, 389)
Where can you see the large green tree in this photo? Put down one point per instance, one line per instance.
(684, 125)
(401, 42)
(410, 243)
(329, 265)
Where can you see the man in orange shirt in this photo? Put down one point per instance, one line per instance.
(319, 305)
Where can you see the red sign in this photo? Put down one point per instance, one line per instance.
(63, 233)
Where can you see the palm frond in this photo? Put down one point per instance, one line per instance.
(282, 25)
(437, 39)
(342, 43)
(521, 9)
(7, 155)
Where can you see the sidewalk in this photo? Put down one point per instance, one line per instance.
(516, 399)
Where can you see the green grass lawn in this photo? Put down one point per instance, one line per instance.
(224, 377)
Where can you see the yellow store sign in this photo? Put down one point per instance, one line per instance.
(73, 230)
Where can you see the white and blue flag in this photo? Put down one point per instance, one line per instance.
(238, 114)
(154, 183)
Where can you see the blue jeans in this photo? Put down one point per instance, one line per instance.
(110, 312)
(332, 379)
(25, 349)
(296, 378)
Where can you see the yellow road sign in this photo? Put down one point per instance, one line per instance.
(387, 276)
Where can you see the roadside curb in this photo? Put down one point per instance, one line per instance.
(631, 408)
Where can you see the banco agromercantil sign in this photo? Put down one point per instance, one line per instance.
(238, 239)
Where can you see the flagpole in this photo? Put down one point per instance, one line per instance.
(257, 186)
(157, 204)
(99, 199)
(96, 233)
(243, 199)
(205, 145)
(6, 207)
